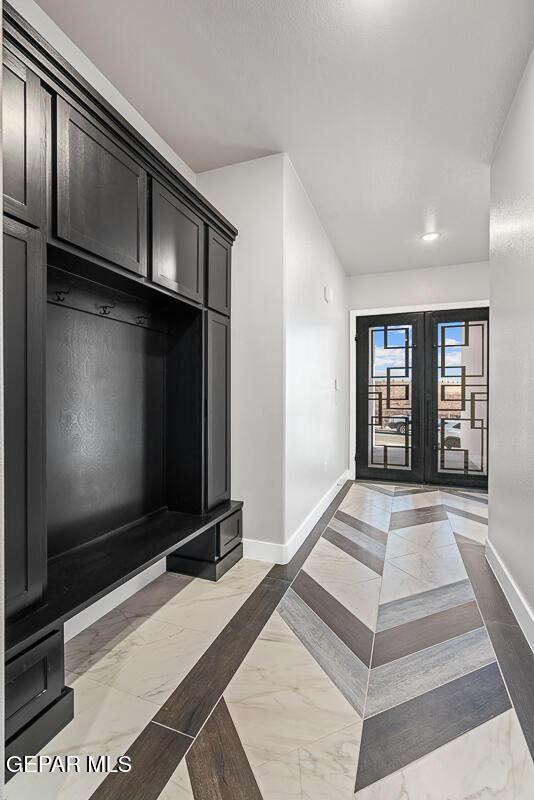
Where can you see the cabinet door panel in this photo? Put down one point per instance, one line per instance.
(21, 140)
(178, 245)
(25, 524)
(219, 252)
(101, 193)
(218, 409)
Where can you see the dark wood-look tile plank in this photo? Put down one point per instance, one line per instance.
(421, 633)
(400, 735)
(191, 703)
(466, 514)
(416, 516)
(287, 572)
(414, 490)
(375, 488)
(352, 631)
(154, 755)
(217, 764)
(476, 497)
(363, 527)
(491, 599)
(516, 660)
(377, 548)
(465, 540)
(355, 550)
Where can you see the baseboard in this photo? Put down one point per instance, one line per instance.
(110, 601)
(523, 611)
(282, 553)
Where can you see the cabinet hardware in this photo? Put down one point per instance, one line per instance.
(61, 294)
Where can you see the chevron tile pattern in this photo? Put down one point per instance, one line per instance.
(361, 670)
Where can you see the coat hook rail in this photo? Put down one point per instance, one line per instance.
(106, 308)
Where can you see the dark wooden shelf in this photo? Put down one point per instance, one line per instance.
(82, 576)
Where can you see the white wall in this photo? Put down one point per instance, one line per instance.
(420, 287)
(511, 530)
(288, 346)
(316, 355)
(251, 196)
(48, 29)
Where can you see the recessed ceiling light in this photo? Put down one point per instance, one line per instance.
(431, 236)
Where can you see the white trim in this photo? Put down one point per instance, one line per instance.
(106, 604)
(522, 609)
(367, 312)
(282, 553)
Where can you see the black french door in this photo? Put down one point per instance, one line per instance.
(422, 397)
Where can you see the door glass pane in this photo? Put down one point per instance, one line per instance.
(462, 403)
(390, 397)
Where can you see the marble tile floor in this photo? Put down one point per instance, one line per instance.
(382, 663)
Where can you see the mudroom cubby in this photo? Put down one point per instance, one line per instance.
(116, 322)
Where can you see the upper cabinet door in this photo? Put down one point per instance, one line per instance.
(178, 245)
(219, 254)
(22, 141)
(101, 193)
(24, 303)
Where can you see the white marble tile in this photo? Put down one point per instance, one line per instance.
(150, 662)
(491, 762)
(427, 536)
(281, 700)
(468, 527)
(329, 563)
(480, 509)
(346, 579)
(113, 635)
(106, 722)
(328, 767)
(435, 567)
(202, 605)
(397, 546)
(179, 785)
(280, 779)
(396, 583)
(410, 501)
(383, 501)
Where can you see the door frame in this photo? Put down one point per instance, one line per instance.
(368, 312)
(417, 399)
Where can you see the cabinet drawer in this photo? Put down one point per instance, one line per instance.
(229, 533)
(34, 679)
(101, 193)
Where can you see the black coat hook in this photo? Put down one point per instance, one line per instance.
(105, 309)
(140, 320)
(61, 294)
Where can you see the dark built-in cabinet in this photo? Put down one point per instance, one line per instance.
(116, 369)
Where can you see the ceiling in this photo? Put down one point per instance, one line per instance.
(389, 109)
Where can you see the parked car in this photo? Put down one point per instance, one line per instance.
(453, 434)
